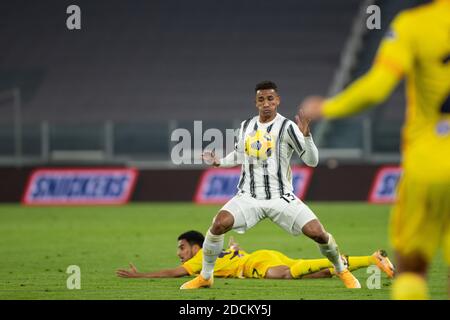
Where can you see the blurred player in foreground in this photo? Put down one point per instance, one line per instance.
(416, 47)
(268, 264)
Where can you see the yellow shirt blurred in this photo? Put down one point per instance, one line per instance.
(416, 47)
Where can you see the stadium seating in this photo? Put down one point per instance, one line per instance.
(141, 64)
(147, 60)
(386, 120)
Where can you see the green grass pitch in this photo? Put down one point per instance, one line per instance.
(38, 244)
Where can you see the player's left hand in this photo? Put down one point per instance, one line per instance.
(132, 273)
(303, 122)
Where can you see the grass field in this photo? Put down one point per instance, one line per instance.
(38, 244)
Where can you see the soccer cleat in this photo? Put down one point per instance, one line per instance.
(197, 283)
(383, 262)
(349, 279)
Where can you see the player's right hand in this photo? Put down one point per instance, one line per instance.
(210, 158)
(132, 273)
(233, 244)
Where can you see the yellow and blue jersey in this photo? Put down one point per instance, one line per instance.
(229, 263)
(417, 47)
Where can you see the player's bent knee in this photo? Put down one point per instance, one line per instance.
(321, 237)
(222, 223)
(315, 231)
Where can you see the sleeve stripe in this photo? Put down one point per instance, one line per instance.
(241, 182)
(294, 138)
(280, 138)
(266, 181)
(252, 180)
(242, 179)
(244, 127)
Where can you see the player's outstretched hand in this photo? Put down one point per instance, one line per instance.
(233, 244)
(312, 107)
(132, 273)
(303, 122)
(210, 158)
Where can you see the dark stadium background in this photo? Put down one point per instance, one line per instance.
(111, 93)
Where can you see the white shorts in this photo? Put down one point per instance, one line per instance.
(289, 212)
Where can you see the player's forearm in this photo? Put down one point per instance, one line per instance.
(369, 90)
(157, 274)
(231, 160)
(311, 155)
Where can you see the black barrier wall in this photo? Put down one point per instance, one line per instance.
(344, 183)
(12, 183)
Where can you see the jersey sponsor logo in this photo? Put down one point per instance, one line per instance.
(384, 186)
(76, 186)
(217, 186)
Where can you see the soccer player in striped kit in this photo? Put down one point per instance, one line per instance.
(264, 149)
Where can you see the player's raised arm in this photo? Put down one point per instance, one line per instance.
(167, 273)
(394, 58)
(234, 158)
(300, 138)
(233, 244)
(230, 160)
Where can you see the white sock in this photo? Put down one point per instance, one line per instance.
(212, 247)
(331, 251)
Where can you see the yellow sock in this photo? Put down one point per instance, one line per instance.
(360, 262)
(409, 286)
(307, 266)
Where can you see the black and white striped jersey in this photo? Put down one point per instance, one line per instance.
(264, 150)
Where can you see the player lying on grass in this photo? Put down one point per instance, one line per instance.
(270, 264)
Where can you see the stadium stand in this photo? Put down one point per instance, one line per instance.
(385, 121)
(154, 60)
(136, 66)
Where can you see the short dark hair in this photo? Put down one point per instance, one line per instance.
(193, 237)
(264, 85)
